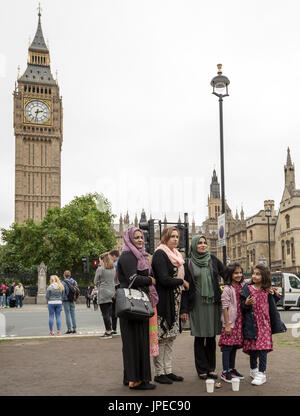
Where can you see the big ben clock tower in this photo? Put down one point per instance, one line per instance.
(38, 133)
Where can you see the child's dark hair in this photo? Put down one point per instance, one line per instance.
(266, 281)
(229, 270)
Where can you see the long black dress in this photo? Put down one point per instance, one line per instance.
(135, 334)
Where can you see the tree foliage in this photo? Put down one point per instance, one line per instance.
(65, 235)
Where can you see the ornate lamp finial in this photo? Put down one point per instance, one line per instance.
(219, 68)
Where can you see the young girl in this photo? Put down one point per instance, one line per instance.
(260, 320)
(231, 336)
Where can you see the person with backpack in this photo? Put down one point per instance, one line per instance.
(71, 294)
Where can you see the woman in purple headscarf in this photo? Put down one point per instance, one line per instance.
(135, 334)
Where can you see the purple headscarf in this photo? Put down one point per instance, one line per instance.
(140, 253)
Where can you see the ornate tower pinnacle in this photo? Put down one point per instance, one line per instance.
(289, 172)
(214, 186)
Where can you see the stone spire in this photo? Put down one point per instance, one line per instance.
(121, 228)
(179, 220)
(193, 226)
(236, 215)
(289, 172)
(136, 221)
(165, 220)
(126, 219)
(214, 186)
(242, 214)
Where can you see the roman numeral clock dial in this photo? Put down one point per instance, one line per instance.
(37, 112)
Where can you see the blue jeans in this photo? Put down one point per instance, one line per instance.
(19, 300)
(228, 357)
(2, 300)
(69, 308)
(54, 308)
(262, 355)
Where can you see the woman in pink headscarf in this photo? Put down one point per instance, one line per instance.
(135, 334)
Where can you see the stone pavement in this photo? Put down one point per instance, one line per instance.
(90, 366)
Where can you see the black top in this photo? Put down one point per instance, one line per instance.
(188, 297)
(163, 272)
(127, 267)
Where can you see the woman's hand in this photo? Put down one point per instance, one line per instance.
(250, 300)
(228, 329)
(184, 316)
(153, 280)
(186, 284)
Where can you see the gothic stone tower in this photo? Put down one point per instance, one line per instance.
(38, 135)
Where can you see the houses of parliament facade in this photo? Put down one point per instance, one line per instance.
(38, 129)
(247, 239)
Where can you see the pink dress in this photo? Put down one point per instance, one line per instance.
(236, 336)
(262, 322)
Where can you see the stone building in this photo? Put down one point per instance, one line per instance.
(287, 229)
(235, 228)
(38, 134)
(257, 236)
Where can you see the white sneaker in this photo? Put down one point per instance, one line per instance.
(253, 372)
(259, 379)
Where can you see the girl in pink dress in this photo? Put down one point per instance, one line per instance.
(231, 336)
(257, 328)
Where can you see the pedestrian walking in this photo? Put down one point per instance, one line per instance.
(168, 271)
(115, 256)
(3, 289)
(203, 304)
(104, 280)
(69, 302)
(88, 296)
(261, 320)
(94, 297)
(10, 294)
(19, 294)
(134, 264)
(54, 296)
(231, 337)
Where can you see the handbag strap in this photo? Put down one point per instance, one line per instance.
(133, 279)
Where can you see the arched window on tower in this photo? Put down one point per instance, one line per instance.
(251, 235)
(282, 251)
(253, 256)
(287, 220)
(293, 248)
(288, 247)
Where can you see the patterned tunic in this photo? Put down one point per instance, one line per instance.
(174, 330)
(262, 322)
(236, 336)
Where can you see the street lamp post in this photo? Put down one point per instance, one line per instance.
(268, 215)
(220, 89)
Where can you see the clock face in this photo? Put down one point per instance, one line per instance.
(37, 112)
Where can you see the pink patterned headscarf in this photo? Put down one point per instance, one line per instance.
(140, 253)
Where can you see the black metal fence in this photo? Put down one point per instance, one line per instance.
(30, 281)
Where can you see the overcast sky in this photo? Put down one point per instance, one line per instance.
(140, 122)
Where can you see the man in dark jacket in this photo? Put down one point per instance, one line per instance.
(69, 307)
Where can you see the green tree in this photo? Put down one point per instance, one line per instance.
(65, 235)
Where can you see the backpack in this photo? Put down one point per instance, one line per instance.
(74, 292)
